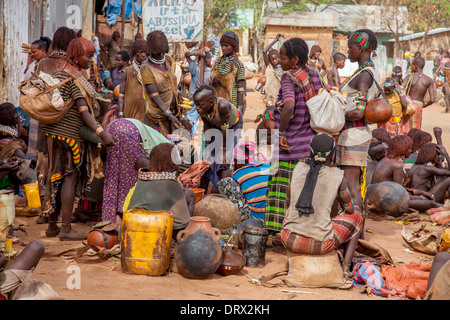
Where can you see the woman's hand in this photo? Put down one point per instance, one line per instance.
(107, 139)
(284, 145)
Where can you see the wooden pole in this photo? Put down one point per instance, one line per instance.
(202, 64)
(122, 36)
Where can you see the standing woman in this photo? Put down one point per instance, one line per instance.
(160, 82)
(292, 119)
(354, 139)
(39, 50)
(55, 61)
(131, 98)
(69, 165)
(228, 74)
(314, 61)
(57, 54)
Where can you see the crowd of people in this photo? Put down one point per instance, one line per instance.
(124, 139)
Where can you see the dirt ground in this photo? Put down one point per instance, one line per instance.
(103, 279)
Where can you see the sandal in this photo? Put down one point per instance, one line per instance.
(77, 236)
(52, 233)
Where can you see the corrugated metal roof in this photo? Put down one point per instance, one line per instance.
(353, 17)
(421, 34)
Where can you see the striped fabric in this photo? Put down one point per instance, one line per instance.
(344, 228)
(70, 125)
(369, 275)
(240, 75)
(298, 132)
(73, 146)
(353, 155)
(253, 180)
(277, 200)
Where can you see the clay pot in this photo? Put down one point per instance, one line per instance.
(102, 239)
(439, 83)
(388, 198)
(377, 111)
(221, 210)
(187, 79)
(232, 262)
(198, 253)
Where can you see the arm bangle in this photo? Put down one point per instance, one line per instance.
(99, 130)
(167, 113)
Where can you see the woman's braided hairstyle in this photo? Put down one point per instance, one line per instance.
(297, 47)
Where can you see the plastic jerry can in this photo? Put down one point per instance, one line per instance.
(145, 241)
(32, 195)
(7, 209)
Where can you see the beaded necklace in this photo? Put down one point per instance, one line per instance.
(146, 175)
(158, 63)
(368, 63)
(225, 64)
(211, 115)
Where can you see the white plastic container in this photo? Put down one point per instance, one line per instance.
(7, 209)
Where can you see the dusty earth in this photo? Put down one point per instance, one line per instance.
(101, 279)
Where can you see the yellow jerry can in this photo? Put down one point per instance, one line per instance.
(145, 241)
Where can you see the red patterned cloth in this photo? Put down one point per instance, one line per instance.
(302, 78)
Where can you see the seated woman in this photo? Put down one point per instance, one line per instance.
(310, 225)
(158, 189)
(11, 143)
(427, 170)
(377, 152)
(391, 169)
(419, 138)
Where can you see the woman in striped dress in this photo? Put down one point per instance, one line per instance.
(228, 74)
(292, 119)
(70, 168)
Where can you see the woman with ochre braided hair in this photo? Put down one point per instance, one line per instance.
(228, 74)
(69, 169)
(161, 94)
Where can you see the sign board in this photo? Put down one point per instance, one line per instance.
(180, 20)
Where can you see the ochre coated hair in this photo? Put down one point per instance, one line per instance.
(138, 45)
(399, 147)
(160, 159)
(420, 139)
(381, 134)
(8, 115)
(79, 47)
(62, 37)
(157, 42)
(427, 153)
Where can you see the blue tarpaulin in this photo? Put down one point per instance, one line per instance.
(114, 9)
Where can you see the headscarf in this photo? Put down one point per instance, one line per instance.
(250, 157)
(231, 38)
(322, 148)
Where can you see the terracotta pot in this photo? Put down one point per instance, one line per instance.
(232, 262)
(187, 79)
(102, 239)
(198, 253)
(221, 210)
(377, 111)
